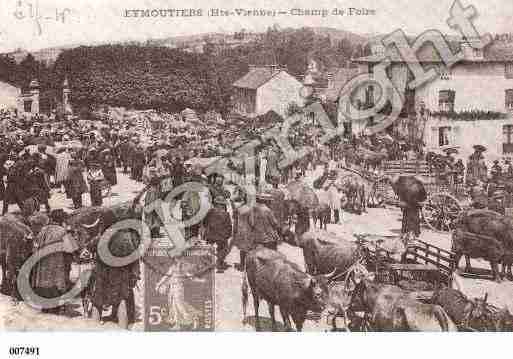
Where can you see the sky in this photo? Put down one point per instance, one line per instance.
(99, 21)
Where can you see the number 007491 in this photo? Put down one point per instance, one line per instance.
(23, 351)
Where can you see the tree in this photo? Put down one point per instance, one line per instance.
(28, 70)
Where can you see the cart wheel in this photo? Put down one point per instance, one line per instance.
(441, 211)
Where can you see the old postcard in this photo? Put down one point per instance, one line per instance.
(213, 166)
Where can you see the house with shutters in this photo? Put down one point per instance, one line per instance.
(467, 104)
(9, 95)
(266, 88)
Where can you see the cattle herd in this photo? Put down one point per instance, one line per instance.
(342, 282)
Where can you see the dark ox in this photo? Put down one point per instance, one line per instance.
(282, 283)
(321, 214)
(473, 315)
(391, 308)
(484, 234)
(325, 253)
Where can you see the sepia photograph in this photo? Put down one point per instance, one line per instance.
(328, 167)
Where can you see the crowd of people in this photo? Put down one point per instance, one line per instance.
(41, 158)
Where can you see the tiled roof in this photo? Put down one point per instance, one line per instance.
(255, 78)
(496, 52)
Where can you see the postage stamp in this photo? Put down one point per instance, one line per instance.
(179, 291)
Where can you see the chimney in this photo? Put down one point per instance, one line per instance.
(470, 50)
(34, 92)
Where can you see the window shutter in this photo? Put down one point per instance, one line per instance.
(509, 99)
(433, 141)
(456, 131)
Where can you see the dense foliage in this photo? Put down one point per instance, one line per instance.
(144, 76)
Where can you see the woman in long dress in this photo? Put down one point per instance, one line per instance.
(180, 313)
(63, 159)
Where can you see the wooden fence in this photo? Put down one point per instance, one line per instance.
(414, 167)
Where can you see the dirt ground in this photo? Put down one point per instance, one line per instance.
(228, 304)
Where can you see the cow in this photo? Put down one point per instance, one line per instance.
(355, 193)
(390, 308)
(473, 315)
(484, 234)
(325, 253)
(477, 246)
(321, 214)
(464, 312)
(282, 283)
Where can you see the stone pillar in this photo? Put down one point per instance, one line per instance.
(66, 91)
(34, 91)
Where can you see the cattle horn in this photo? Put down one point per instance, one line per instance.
(92, 225)
(329, 275)
(485, 297)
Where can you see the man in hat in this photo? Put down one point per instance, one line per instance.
(509, 169)
(95, 179)
(476, 166)
(217, 189)
(217, 229)
(76, 185)
(496, 171)
(138, 163)
(38, 182)
(459, 169)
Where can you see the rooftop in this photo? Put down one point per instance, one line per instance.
(256, 77)
(495, 52)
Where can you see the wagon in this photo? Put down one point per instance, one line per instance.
(446, 200)
(422, 269)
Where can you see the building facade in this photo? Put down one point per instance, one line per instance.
(467, 104)
(9, 95)
(264, 89)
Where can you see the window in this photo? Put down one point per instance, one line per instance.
(446, 100)
(443, 136)
(509, 99)
(445, 73)
(369, 96)
(508, 70)
(27, 105)
(478, 53)
(507, 139)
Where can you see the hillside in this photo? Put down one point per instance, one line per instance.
(337, 34)
(173, 73)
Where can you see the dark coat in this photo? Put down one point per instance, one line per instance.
(76, 184)
(16, 183)
(256, 225)
(109, 170)
(218, 225)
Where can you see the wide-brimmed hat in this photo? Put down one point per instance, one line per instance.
(39, 219)
(479, 148)
(450, 151)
